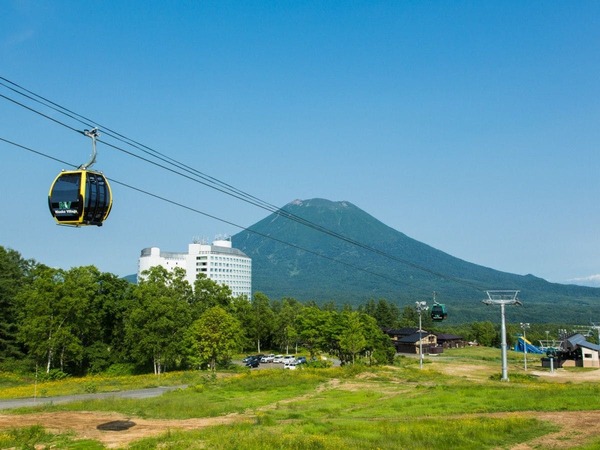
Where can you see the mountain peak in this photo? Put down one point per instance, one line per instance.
(326, 250)
(320, 202)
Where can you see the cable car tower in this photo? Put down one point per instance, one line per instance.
(81, 197)
(503, 298)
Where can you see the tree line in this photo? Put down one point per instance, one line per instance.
(81, 321)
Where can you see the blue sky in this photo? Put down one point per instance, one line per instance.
(469, 126)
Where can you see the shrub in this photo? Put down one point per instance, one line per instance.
(319, 364)
(121, 369)
(53, 375)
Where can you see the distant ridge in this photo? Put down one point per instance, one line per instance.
(281, 270)
(131, 278)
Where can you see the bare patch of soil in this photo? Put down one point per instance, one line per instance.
(84, 425)
(573, 428)
(473, 372)
(562, 375)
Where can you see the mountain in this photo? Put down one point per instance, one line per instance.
(131, 278)
(291, 259)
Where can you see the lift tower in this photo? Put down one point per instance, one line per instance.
(503, 298)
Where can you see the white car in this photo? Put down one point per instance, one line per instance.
(278, 359)
(288, 358)
(267, 358)
(290, 365)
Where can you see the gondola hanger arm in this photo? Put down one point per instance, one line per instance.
(93, 134)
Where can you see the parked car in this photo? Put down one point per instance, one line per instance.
(301, 360)
(253, 362)
(267, 358)
(290, 365)
(278, 358)
(288, 358)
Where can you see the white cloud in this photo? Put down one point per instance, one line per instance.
(590, 280)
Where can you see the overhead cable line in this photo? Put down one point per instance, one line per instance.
(210, 216)
(115, 135)
(204, 179)
(223, 187)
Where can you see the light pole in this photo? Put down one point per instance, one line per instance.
(421, 306)
(524, 326)
(503, 298)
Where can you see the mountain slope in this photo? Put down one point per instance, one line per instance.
(388, 264)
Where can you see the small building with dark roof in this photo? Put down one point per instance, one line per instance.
(450, 340)
(406, 340)
(584, 353)
(575, 351)
(413, 342)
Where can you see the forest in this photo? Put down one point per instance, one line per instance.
(80, 321)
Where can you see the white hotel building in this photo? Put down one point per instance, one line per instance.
(219, 262)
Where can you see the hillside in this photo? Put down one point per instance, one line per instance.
(320, 267)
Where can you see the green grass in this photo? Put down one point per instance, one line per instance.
(354, 407)
(234, 394)
(13, 386)
(35, 437)
(462, 433)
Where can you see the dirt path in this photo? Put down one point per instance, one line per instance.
(573, 428)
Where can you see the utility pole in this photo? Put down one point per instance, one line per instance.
(421, 306)
(524, 326)
(503, 298)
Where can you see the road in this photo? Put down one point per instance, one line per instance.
(138, 393)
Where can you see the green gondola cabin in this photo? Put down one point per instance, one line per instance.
(438, 312)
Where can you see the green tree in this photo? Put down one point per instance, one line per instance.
(261, 320)
(484, 333)
(105, 344)
(214, 337)
(158, 319)
(79, 292)
(352, 339)
(286, 333)
(379, 347)
(331, 331)
(410, 318)
(311, 328)
(55, 314)
(386, 313)
(14, 271)
(241, 309)
(370, 307)
(209, 293)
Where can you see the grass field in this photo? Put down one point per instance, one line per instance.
(455, 402)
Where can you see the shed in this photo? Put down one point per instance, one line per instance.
(411, 343)
(450, 340)
(398, 333)
(576, 351)
(590, 354)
